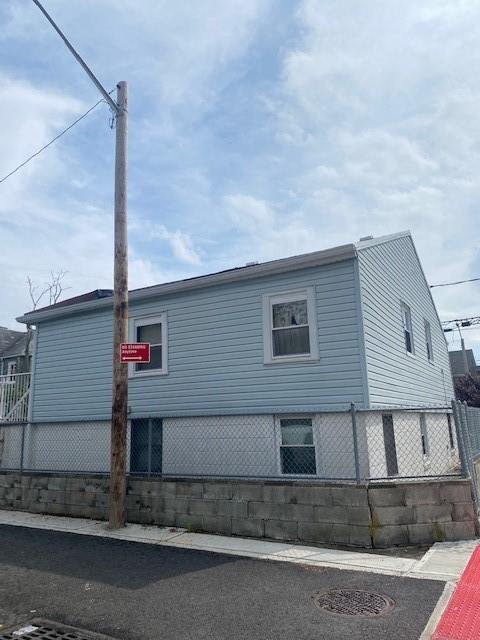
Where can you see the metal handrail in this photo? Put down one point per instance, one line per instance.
(14, 397)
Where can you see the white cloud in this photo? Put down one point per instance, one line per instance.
(368, 122)
(379, 103)
(248, 213)
(41, 230)
(180, 243)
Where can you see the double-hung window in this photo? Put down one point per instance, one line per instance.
(297, 449)
(407, 327)
(289, 324)
(151, 329)
(428, 340)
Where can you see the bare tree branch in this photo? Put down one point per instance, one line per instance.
(54, 289)
(32, 290)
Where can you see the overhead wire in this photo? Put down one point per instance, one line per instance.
(449, 284)
(37, 153)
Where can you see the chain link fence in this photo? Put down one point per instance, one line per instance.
(467, 420)
(350, 445)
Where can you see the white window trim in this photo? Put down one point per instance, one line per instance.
(278, 444)
(139, 321)
(269, 299)
(428, 339)
(404, 305)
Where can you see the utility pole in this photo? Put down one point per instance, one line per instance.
(118, 466)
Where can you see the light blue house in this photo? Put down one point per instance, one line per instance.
(252, 367)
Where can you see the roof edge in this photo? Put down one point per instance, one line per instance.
(372, 242)
(317, 258)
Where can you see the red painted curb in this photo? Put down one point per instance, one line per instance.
(461, 618)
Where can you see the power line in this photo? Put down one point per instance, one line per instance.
(471, 320)
(52, 141)
(449, 284)
(106, 94)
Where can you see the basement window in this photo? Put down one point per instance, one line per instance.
(297, 449)
(451, 439)
(424, 436)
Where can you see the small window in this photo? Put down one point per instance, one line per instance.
(11, 371)
(297, 450)
(152, 329)
(290, 327)
(146, 445)
(389, 444)
(407, 327)
(450, 431)
(428, 340)
(424, 435)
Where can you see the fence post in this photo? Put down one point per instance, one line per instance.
(149, 461)
(457, 416)
(22, 448)
(469, 450)
(355, 442)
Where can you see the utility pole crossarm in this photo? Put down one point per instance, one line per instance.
(111, 103)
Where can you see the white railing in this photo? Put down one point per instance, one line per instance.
(14, 397)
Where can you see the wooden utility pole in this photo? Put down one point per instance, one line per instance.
(118, 467)
(120, 296)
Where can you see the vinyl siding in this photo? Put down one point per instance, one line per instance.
(215, 354)
(390, 273)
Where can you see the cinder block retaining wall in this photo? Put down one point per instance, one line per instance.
(372, 515)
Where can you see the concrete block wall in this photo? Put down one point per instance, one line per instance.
(358, 516)
(422, 512)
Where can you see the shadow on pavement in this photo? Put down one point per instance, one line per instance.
(118, 563)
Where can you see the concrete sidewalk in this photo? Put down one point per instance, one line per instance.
(443, 561)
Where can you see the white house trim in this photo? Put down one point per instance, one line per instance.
(270, 299)
(138, 321)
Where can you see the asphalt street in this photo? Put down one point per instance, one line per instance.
(137, 591)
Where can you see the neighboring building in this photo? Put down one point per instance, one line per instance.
(253, 370)
(457, 363)
(14, 347)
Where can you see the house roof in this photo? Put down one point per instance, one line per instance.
(96, 294)
(103, 297)
(12, 343)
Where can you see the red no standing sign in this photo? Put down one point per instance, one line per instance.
(135, 352)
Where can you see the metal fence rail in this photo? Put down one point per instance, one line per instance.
(345, 446)
(14, 396)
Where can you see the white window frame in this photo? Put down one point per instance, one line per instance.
(141, 321)
(269, 299)
(278, 444)
(407, 325)
(428, 339)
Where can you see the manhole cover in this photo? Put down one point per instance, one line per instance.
(47, 630)
(349, 602)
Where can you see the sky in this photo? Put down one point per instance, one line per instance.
(257, 130)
